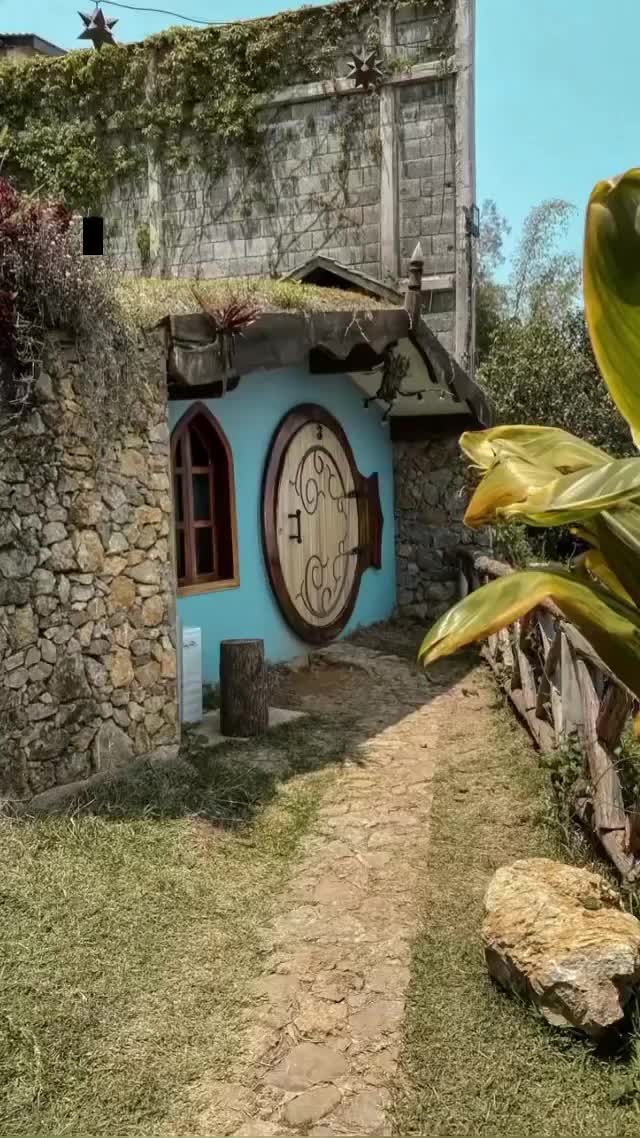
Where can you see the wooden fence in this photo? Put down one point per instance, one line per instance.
(562, 689)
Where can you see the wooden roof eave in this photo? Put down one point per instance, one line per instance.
(284, 339)
(277, 340)
(446, 371)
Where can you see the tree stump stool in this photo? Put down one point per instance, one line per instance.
(243, 688)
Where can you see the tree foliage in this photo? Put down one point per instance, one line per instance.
(542, 371)
(534, 352)
(544, 280)
(491, 296)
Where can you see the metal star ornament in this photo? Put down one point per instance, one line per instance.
(97, 28)
(365, 69)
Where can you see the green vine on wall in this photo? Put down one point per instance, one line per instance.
(143, 241)
(74, 125)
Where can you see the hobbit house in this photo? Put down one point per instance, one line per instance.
(288, 468)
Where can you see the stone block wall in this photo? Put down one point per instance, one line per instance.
(87, 599)
(431, 493)
(317, 187)
(427, 192)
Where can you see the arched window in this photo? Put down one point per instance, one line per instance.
(206, 551)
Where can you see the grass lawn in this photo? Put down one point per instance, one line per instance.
(129, 932)
(476, 1061)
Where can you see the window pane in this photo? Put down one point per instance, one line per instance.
(181, 567)
(199, 452)
(177, 498)
(178, 454)
(204, 551)
(201, 499)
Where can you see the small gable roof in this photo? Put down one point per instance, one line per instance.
(324, 271)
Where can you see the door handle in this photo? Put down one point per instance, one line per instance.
(297, 536)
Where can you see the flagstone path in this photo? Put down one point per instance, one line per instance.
(324, 1022)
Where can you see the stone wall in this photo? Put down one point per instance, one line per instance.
(87, 640)
(430, 498)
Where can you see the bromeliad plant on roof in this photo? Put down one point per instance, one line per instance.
(227, 322)
(541, 476)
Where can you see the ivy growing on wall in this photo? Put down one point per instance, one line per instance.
(75, 124)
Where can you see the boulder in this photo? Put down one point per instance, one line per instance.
(557, 935)
(112, 747)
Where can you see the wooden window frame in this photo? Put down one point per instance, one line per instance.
(226, 503)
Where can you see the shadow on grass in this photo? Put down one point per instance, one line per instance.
(227, 784)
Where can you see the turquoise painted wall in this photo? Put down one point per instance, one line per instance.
(249, 416)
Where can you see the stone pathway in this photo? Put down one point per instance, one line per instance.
(323, 1034)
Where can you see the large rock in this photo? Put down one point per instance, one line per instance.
(112, 748)
(557, 935)
(69, 681)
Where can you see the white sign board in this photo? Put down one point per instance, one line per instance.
(191, 676)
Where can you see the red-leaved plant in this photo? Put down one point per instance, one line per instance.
(46, 283)
(33, 238)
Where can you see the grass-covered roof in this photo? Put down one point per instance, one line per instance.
(148, 300)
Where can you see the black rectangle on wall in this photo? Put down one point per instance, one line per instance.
(92, 236)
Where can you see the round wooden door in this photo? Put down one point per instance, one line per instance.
(313, 523)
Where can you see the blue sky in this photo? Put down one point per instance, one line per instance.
(556, 99)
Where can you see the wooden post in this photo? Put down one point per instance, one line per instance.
(243, 688)
(412, 298)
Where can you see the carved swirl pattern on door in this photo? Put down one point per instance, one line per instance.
(328, 572)
(315, 516)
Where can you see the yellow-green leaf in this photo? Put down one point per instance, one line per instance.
(548, 447)
(610, 626)
(552, 501)
(612, 289)
(508, 483)
(618, 533)
(597, 565)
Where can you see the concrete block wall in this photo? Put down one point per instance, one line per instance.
(126, 215)
(427, 191)
(318, 185)
(419, 29)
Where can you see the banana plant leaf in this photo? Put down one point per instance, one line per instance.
(618, 534)
(594, 562)
(610, 626)
(507, 484)
(548, 447)
(584, 533)
(612, 289)
(552, 501)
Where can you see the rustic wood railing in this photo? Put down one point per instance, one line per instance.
(562, 689)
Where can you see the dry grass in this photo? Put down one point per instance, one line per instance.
(129, 933)
(147, 300)
(477, 1062)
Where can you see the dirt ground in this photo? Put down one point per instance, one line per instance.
(324, 1020)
